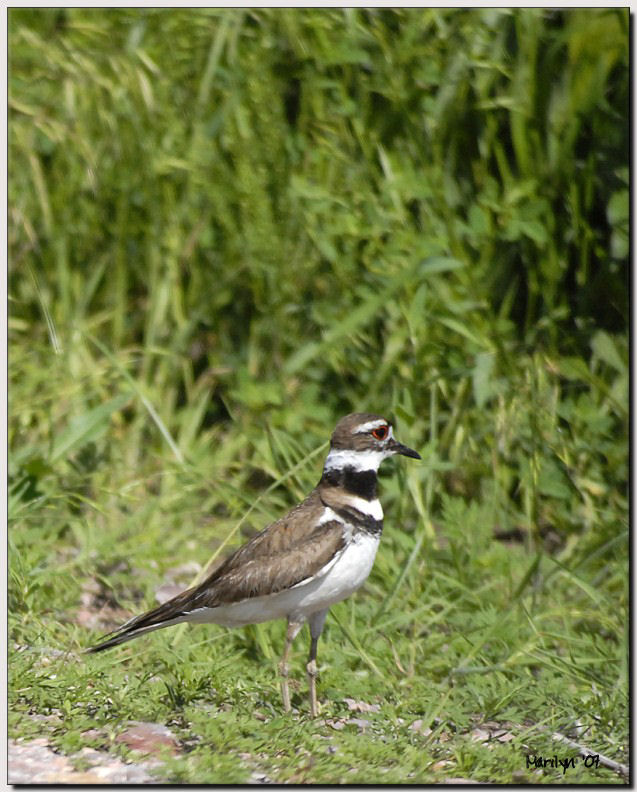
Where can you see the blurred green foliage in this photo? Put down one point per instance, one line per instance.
(297, 213)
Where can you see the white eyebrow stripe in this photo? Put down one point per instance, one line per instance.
(367, 427)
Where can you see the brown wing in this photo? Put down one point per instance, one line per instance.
(280, 536)
(268, 574)
(282, 555)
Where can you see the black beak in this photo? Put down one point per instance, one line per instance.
(399, 448)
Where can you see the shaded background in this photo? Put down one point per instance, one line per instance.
(227, 228)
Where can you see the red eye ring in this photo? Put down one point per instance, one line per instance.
(380, 433)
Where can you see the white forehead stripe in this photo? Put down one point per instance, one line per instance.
(367, 427)
(357, 460)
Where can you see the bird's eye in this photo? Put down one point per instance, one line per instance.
(380, 433)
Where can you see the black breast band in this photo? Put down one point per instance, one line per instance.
(357, 482)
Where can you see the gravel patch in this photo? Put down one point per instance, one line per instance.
(34, 762)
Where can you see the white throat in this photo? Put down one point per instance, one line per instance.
(357, 460)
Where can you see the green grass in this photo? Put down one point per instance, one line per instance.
(228, 228)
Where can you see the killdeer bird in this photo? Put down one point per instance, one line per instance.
(316, 555)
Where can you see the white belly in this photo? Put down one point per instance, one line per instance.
(336, 581)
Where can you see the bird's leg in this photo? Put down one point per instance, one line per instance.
(292, 632)
(317, 620)
(312, 673)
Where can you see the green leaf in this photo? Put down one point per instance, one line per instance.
(482, 377)
(466, 331)
(552, 482)
(573, 368)
(605, 349)
(86, 427)
(618, 208)
(534, 230)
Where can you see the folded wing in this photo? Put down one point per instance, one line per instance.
(254, 570)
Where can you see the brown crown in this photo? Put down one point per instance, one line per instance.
(344, 435)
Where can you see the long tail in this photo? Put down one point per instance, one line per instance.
(171, 612)
(123, 634)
